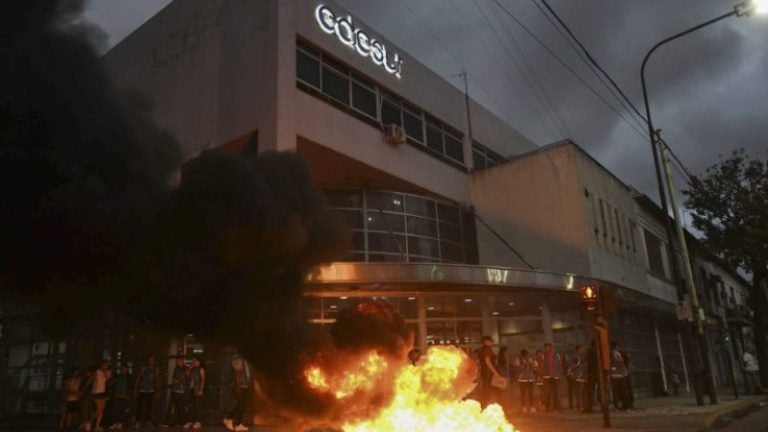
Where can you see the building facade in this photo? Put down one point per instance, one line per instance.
(462, 223)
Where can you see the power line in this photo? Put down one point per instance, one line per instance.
(524, 68)
(611, 80)
(567, 67)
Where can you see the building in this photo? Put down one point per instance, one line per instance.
(461, 222)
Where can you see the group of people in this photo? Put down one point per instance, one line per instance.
(99, 398)
(545, 369)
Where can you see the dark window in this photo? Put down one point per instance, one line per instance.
(364, 98)
(380, 221)
(308, 69)
(449, 231)
(435, 138)
(478, 160)
(354, 218)
(618, 226)
(358, 241)
(423, 247)
(448, 213)
(453, 148)
(373, 257)
(413, 125)
(451, 252)
(335, 85)
(421, 226)
(390, 113)
(384, 201)
(602, 218)
(381, 242)
(653, 247)
(344, 198)
(419, 206)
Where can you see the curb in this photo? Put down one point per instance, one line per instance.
(724, 416)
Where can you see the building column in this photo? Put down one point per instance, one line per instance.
(421, 344)
(661, 355)
(546, 322)
(685, 365)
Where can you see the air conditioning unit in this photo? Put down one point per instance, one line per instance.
(394, 135)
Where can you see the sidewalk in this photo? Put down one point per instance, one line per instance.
(666, 414)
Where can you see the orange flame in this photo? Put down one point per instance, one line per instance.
(427, 397)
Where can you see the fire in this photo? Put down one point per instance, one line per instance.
(427, 397)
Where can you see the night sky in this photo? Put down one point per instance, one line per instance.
(708, 90)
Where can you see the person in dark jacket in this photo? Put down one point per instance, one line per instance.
(590, 386)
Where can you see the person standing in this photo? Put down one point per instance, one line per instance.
(580, 376)
(70, 399)
(569, 358)
(120, 410)
(525, 367)
(195, 393)
(588, 396)
(504, 366)
(242, 381)
(145, 389)
(176, 410)
(488, 371)
(553, 371)
(541, 404)
(753, 372)
(619, 374)
(98, 384)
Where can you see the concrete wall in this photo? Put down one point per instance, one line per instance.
(535, 203)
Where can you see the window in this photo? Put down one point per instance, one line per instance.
(483, 157)
(435, 137)
(390, 113)
(336, 85)
(602, 218)
(618, 227)
(413, 125)
(364, 98)
(479, 161)
(653, 246)
(308, 68)
(453, 148)
(632, 230)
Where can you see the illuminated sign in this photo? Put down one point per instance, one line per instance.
(358, 39)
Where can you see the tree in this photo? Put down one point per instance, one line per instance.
(729, 204)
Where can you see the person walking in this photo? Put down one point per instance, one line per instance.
(242, 380)
(488, 371)
(145, 390)
(525, 366)
(195, 393)
(120, 408)
(552, 372)
(175, 412)
(753, 372)
(619, 374)
(70, 399)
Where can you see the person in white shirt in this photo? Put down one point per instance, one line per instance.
(98, 383)
(753, 372)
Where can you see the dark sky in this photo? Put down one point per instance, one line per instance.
(708, 90)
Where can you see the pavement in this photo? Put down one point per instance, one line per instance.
(665, 414)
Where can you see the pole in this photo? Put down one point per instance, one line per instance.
(698, 312)
(601, 378)
(466, 102)
(737, 11)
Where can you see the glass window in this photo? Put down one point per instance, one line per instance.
(653, 246)
(358, 241)
(308, 69)
(385, 242)
(379, 221)
(451, 252)
(448, 213)
(327, 61)
(435, 138)
(344, 198)
(451, 232)
(335, 85)
(354, 218)
(421, 226)
(413, 125)
(364, 99)
(420, 206)
(478, 160)
(423, 247)
(384, 201)
(374, 257)
(453, 148)
(390, 113)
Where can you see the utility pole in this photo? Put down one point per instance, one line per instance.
(698, 312)
(463, 75)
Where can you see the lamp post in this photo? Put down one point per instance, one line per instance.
(590, 295)
(745, 8)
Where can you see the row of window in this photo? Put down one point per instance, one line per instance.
(483, 157)
(346, 87)
(399, 227)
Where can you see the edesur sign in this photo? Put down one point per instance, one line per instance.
(366, 46)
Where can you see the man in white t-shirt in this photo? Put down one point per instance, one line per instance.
(242, 377)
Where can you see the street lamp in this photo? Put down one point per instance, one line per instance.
(743, 9)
